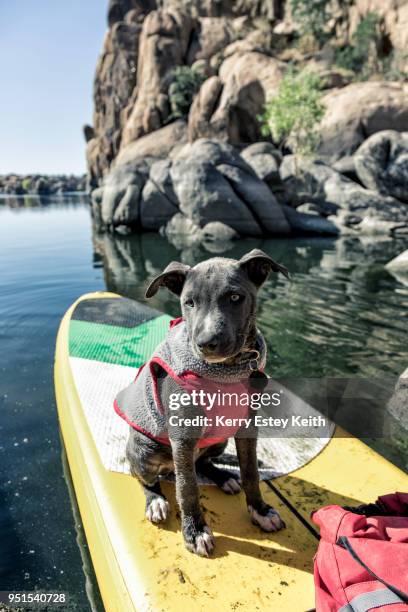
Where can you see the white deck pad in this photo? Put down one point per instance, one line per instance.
(98, 383)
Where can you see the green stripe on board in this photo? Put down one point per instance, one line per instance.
(113, 344)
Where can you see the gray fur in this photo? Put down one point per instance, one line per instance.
(220, 330)
(137, 401)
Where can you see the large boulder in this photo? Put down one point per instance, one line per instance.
(158, 203)
(120, 195)
(161, 177)
(348, 195)
(156, 145)
(394, 14)
(200, 119)
(210, 36)
(213, 183)
(264, 159)
(259, 40)
(163, 46)
(248, 79)
(359, 110)
(115, 72)
(381, 163)
(206, 182)
(304, 181)
(155, 209)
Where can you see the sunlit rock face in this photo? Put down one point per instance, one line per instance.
(177, 140)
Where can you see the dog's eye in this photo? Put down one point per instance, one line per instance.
(189, 303)
(235, 297)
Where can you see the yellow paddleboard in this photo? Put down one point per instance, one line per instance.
(102, 340)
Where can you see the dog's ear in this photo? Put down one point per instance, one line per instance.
(258, 265)
(172, 277)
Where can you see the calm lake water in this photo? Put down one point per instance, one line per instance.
(342, 315)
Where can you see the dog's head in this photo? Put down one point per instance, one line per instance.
(218, 300)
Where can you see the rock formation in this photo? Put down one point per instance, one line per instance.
(212, 172)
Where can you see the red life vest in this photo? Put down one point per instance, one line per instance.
(141, 407)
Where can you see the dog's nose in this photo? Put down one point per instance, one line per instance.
(207, 345)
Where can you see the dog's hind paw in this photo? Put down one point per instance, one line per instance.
(202, 544)
(231, 486)
(157, 510)
(270, 522)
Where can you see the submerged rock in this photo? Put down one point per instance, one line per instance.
(399, 263)
(306, 223)
(184, 233)
(181, 231)
(218, 232)
(398, 404)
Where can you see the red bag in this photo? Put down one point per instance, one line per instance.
(362, 561)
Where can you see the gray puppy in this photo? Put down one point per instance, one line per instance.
(218, 301)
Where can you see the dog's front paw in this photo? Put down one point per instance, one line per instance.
(157, 510)
(267, 520)
(201, 542)
(231, 486)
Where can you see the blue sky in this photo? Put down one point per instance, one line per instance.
(48, 53)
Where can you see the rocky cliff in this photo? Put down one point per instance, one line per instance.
(177, 141)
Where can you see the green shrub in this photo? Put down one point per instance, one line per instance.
(293, 114)
(312, 17)
(185, 82)
(361, 55)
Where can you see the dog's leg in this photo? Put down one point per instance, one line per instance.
(147, 458)
(224, 479)
(261, 513)
(197, 535)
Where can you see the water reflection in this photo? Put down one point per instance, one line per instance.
(45, 264)
(17, 202)
(342, 316)
(343, 313)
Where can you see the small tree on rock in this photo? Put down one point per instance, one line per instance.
(185, 83)
(292, 116)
